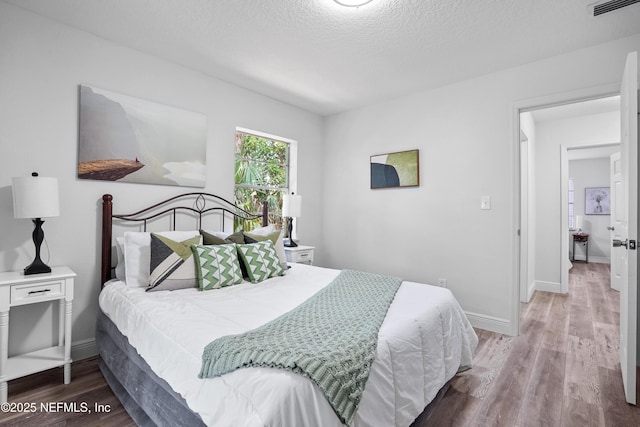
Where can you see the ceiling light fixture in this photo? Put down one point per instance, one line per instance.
(352, 3)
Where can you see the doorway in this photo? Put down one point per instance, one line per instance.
(553, 134)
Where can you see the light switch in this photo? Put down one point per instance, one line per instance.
(485, 202)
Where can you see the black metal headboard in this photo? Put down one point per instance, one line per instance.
(200, 205)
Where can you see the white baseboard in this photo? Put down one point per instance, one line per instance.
(530, 290)
(600, 259)
(548, 286)
(596, 259)
(83, 349)
(489, 323)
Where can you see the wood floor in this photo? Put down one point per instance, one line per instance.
(87, 387)
(562, 370)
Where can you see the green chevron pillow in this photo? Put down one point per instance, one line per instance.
(217, 266)
(260, 260)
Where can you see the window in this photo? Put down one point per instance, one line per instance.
(264, 171)
(572, 225)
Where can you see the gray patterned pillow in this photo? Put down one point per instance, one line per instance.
(217, 266)
(171, 264)
(260, 260)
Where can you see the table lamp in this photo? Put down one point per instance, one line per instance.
(36, 197)
(291, 208)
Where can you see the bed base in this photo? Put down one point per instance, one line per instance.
(148, 399)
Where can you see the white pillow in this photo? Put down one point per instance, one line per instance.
(137, 254)
(263, 231)
(280, 249)
(120, 270)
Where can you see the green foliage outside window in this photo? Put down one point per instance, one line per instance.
(261, 174)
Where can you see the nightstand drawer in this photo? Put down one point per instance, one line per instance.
(27, 294)
(302, 256)
(299, 254)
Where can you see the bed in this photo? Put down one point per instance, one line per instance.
(151, 343)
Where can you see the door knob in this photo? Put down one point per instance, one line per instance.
(611, 228)
(617, 243)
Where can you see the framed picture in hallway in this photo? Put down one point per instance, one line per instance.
(597, 201)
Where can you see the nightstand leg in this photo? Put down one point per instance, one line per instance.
(61, 322)
(67, 343)
(4, 351)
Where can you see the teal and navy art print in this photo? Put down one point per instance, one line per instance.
(395, 170)
(127, 139)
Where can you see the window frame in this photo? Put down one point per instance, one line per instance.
(291, 162)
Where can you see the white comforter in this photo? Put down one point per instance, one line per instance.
(423, 341)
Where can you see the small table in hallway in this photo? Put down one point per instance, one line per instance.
(584, 239)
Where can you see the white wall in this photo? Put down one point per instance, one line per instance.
(575, 132)
(468, 139)
(41, 65)
(591, 173)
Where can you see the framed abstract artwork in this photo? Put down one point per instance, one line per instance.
(127, 139)
(597, 201)
(400, 169)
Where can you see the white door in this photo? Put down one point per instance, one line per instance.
(618, 256)
(628, 226)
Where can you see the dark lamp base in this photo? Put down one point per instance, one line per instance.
(289, 243)
(37, 267)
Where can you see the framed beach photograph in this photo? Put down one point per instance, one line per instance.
(597, 201)
(127, 139)
(400, 169)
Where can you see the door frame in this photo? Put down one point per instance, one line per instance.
(525, 230)
(523, 106)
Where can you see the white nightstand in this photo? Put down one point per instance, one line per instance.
(300, 254)
(17, 289)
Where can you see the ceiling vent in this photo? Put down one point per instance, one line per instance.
(601, 8)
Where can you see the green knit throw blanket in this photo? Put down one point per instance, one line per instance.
(331, 338)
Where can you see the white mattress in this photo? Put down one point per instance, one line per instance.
(423, 341)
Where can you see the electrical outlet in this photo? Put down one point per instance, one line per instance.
(442, 283)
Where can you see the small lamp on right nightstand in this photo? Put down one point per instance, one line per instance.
(291, 208)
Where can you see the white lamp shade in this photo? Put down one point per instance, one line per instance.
(578, 222)
(292, 205)
(35, 197)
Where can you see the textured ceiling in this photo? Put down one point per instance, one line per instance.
(327, 58)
